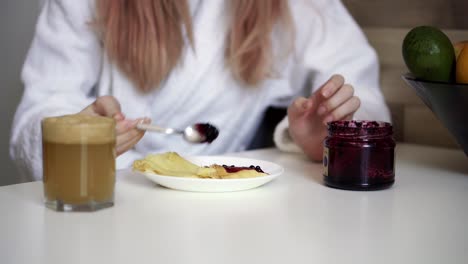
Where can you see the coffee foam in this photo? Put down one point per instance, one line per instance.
(78, 129)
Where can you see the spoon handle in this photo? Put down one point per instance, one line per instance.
(155, 128)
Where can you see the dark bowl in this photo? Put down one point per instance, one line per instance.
(448, 101)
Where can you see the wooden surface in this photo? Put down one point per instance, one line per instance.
(403, 13)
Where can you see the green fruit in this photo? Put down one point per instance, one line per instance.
(429, 54)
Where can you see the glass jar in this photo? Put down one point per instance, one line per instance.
(359, 155)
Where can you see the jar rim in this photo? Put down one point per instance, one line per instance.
(359, 128)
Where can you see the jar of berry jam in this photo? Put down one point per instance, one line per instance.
(359, 155)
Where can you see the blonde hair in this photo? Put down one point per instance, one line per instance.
(145, 38)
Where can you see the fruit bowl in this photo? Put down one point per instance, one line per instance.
(448, 101)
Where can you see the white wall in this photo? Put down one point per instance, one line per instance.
(17, 22)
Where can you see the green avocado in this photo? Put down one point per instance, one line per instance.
(429, 54)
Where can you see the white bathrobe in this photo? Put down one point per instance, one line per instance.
(66, 69)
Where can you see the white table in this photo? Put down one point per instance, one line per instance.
(423, 218)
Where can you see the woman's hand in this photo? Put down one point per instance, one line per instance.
(127, 133)
(308, 117)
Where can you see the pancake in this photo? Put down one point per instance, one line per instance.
(172, 164)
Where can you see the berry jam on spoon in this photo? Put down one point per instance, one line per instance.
(197, 133)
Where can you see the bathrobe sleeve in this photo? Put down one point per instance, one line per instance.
(60, 71)
(330, 42)
(60, 76)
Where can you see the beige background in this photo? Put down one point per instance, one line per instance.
(386, 24)
(384, 21)
(403, 13)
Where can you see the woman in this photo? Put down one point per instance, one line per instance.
(181, 62)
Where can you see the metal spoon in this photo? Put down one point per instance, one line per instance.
(197, 133)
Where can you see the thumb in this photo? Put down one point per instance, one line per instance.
(299, 107)
(103, 106)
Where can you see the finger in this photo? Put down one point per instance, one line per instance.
(299, 107)
(128, 125)
(104, 106)
(345, 110)
(131, 135)
(125, 126)
(119, 117)
(331, 86)
(349, 117)
(107, 106)
(128, 136)
(121, 148)
(341, 96)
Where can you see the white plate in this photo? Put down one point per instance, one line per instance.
(218, 185)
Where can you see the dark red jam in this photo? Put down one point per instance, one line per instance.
(208, 132)
(233, 169)
(359, 155)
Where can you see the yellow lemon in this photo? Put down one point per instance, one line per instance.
(462, 66)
